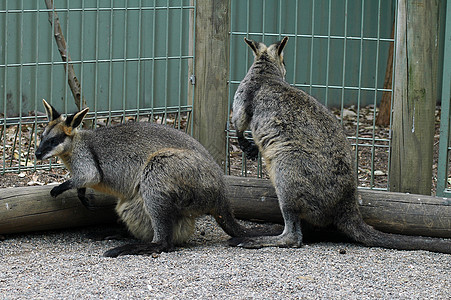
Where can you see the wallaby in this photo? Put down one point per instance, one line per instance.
(308, 158)
(163, 178)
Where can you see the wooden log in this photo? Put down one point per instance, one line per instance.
(255, 199)
(32, 209)
(26, 209)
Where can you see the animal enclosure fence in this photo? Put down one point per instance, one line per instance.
(341, 52)
(138, 59)
(444, 165)
(132, 59)
(337, 52)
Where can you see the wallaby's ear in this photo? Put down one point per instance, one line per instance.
(75, 120)
(281, 45)
(253, 44)
(52, 113)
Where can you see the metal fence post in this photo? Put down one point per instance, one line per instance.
(443, 185)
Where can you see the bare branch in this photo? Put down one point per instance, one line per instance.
(74, 84)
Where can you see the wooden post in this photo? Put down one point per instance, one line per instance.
(211, 75)
(415, 94)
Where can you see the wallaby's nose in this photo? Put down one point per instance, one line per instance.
(38, 154)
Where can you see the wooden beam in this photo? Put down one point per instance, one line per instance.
(31, 209)
(211, 76)
(415, 95)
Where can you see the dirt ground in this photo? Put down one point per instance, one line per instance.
(370, 175)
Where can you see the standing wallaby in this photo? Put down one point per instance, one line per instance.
(307, 157)
(162, 177)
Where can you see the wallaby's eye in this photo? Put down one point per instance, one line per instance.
(56, 140)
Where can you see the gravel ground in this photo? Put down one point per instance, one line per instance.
(67, 264)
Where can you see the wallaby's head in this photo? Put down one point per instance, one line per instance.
(272, 54)
(56, 140)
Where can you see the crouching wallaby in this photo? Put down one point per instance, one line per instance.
(162, 177)
(307, 157)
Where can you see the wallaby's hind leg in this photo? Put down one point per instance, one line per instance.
(291, 212)
(166, 195)
(134, 249)
(290, 237)
(158, 208)
(162, 242)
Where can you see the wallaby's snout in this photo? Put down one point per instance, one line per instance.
(48, 146)
(38, 154)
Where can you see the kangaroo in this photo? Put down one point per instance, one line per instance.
(307, 156)
(162, 177)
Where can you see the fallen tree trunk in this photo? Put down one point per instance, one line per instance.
(255, 199)
(33, 209)
(26, 209)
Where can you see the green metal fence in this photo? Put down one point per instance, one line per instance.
(337, 52)
(132, 58)
(444, 165)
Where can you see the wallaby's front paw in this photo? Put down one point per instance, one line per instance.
(250, 149)
(84, 199)
(251, 153)
(55, 192)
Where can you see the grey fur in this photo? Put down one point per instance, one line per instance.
(163, 178)
(308, 158)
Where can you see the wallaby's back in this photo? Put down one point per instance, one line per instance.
(122, 151)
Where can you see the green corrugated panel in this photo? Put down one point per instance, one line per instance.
(132, 49)
(315, 51)
(444, 175)
(131, 57)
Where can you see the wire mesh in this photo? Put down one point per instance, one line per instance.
(128, 67)
(338, 53)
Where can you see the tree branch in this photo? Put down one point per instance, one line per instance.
(74, 84)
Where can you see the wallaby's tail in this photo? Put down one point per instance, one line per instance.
(229, 224)
(354, 226)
